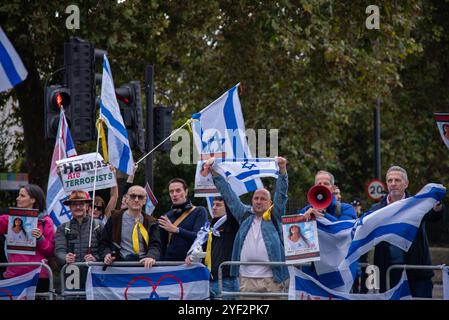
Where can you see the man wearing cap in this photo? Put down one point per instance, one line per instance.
(72, 237)
(130, 234)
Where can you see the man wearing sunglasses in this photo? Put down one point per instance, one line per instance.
(135, 233)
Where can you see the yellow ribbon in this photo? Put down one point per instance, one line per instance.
(208, 258)
(267, 214)
(102, 135)
(189, 125)
(139, 226)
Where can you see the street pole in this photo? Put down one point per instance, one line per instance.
(149, 98)
(377, 166)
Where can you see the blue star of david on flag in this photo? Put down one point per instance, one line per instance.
(247, 165)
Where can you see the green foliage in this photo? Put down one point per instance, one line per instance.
(308, 68)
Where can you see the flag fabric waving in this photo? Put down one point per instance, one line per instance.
(151, 200)
(120, 155)
(157, 283)
(12, 70)
(343, 242)
(219, 131)
(64, 148)
(304, 287)
(22, 287)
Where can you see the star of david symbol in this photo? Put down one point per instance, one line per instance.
(247, 165)
(155, 296)
(214, 144)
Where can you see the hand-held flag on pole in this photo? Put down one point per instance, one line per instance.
(151, 200)
(64, 148)
(12, 70)
(120, 155)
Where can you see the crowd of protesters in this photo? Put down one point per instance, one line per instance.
(245, 233)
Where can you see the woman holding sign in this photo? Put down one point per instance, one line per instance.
(31, 196)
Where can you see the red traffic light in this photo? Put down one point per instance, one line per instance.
(61, 98)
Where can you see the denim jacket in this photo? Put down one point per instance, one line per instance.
(272, 235)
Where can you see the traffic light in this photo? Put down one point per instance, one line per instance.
(55, 97)
(162, 127)
(79, 63)
(130, 103)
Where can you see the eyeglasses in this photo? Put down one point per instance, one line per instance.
(99, 208)
(136, 196)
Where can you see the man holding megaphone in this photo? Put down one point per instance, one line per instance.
(322, 201)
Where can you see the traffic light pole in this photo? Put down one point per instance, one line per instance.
(149, 97)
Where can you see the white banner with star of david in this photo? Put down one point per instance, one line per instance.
(232, 170)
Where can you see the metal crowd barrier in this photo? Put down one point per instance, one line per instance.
(82, 293)
(411, 267)
(51, 290)
(222, 293)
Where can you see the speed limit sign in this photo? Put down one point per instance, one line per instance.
(375, 189)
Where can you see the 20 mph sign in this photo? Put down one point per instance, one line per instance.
(375, 189)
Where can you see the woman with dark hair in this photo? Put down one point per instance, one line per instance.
(296, 239)
(18, 231)
(31, 196)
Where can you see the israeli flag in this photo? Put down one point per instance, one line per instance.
(343, 242)
(219, 131)
(64, 148)
(120, 155)
(247, 169)
(12, 70)
(304, 287)
(22, 287)
(157, 283)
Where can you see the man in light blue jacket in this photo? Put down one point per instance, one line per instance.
(259, 238)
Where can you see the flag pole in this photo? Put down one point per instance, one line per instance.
(93, 193)
(172, 134)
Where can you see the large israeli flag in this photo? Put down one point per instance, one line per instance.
(304, 287)
(12, 70)
(343, 242)
(219, 131)
(64, 148)
(22, 287)
(120, 155)
(157, 283)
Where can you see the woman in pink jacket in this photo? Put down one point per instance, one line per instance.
(31, 196)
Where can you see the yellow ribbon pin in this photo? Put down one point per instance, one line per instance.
(208, 258)
(267, 214)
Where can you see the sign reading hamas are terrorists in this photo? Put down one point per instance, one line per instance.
(78, 173)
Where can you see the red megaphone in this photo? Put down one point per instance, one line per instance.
(319, 197)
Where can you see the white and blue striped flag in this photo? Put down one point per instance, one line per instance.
(120, 155)
(219, 131)
(343, 242)
(22, 287)
(246, 169)
(157, 283)
(12, 70)
(304, 287)
(64, 148)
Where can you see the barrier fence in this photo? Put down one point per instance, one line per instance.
(411, 267)
(51, 289)
(82, 293)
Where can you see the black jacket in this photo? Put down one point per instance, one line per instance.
(222, 245)
(418, 254)
(112, 232)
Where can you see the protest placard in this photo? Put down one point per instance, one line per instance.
(77, 173)
(20, 224)
(300, 239)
